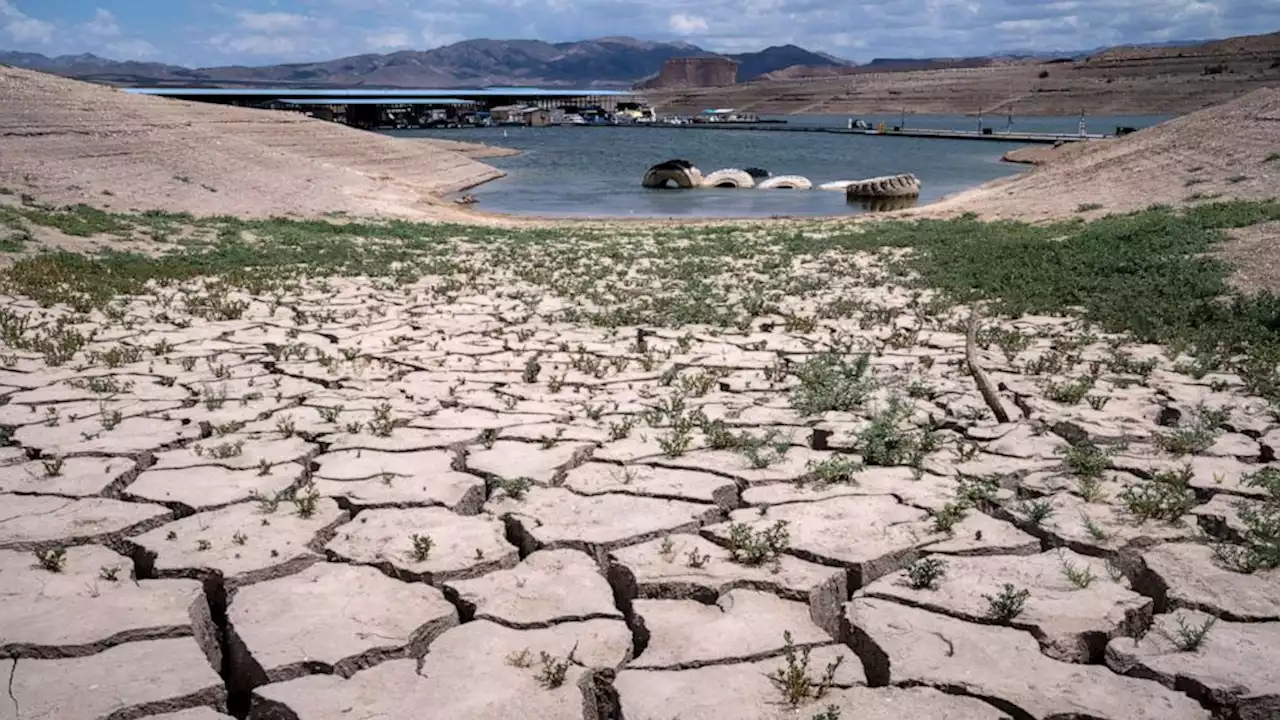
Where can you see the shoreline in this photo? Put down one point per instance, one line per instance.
(154, 153)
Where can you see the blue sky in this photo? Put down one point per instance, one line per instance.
(253, 32)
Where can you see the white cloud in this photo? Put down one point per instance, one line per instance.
(686, 24)
(21, 28)
(102, 25)
(432, 39)
(131, 49)
(274, 22)
(276, 34)
(266, 45)
(386, 39)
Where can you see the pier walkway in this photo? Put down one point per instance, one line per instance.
(994, 135)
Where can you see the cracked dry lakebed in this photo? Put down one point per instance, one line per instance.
(454, 492)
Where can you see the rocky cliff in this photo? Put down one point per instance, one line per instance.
(691, 72)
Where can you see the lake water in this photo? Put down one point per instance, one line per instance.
(593, 171)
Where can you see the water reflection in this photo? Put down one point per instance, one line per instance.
(885, 204)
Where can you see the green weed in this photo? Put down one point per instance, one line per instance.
(793, 680)
(829, 382)
(1007, 604)
(924, 573)
(756, 547)
(1167, 496)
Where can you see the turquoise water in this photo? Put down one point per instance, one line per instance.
(596, 171)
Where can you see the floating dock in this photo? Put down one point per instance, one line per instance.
(993, 135)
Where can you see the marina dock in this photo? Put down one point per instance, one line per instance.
(992, 135)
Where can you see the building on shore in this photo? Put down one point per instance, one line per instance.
(527, 115)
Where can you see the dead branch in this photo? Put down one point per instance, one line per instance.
(988, 392)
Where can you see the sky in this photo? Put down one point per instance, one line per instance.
(260, 32)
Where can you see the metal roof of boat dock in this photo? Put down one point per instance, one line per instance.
(378, 101)
(293, 92)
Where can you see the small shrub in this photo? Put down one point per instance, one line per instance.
(515, 488)
(1194, 436)
(553, 671)
(1098, 402)
(924, 573)
(761, 452)
(884, 442)
(1086, 460)
(225, 451)
(306, 502)
(1068, 393)
(756, 547)
(676, 442)
(1037, 511)
(1186, 636)
(1261, 519)
(830, 382)
(522, 659)
(383, 423)
(1090, 489)
(1091, 526)
(52, 560)
(696, 560)
(422, 545)
(1007, 604)
(948, 516)
(1081, 577)
(1168, 496)
(975, 490)
(793, 680)
(52, 466)
(834, 470)
(531, 370)
(621, 430)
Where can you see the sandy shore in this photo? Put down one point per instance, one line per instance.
(1223, 152)
(68, 142)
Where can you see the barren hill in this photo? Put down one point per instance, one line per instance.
(1169, 80)
(602, 62)
(65, 141)
(1227, 152)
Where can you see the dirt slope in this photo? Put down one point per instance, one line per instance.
(1218, 153)
(64, 141)
(1119, 82)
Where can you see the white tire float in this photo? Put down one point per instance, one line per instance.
(729, 178)
(785, 182)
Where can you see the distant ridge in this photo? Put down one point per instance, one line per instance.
(602, 62)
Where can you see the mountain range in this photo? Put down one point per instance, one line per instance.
(603, 62)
